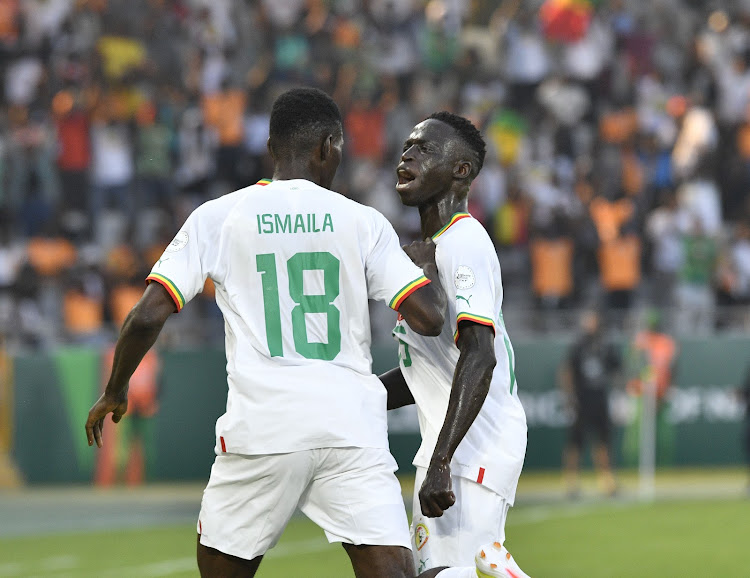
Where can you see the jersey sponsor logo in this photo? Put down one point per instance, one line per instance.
(160, 261)
(464, 299)
(273, 223)
(422, 565)
(464, 277)
(421, 535)
(178, 243)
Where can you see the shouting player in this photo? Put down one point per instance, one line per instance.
(305, 426)
(472, 423)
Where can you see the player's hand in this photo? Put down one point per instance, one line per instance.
(436, 494)
(104, 405)
(421, 252)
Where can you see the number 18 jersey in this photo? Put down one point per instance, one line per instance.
(294, 265)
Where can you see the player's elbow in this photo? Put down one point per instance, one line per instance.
(487, 359)
(143, 320)
(429, 322)
(424, 311)
(482, 356)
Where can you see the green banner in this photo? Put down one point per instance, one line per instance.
(52, 395)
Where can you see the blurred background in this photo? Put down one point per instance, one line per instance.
(617, 182)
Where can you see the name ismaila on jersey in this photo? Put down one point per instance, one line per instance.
(270, 223)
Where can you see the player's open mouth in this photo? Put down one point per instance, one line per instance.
(404, 177)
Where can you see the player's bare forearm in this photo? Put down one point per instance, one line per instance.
(471, 384)
(139, 332)
(424, 310)
(398, 392)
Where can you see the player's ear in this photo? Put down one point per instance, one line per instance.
(462, 170)
(269, 147)
(326, 147)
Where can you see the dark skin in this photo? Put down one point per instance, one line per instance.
(424, 309)
(434, 175)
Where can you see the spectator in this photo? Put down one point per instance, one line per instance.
(22, 80)
(224, 112)
(112, 169)
(196, 145)
(153, 158)
(255, 139)
(734, 268)
(527, 62)
(620, 266)
(664, 231)
(695, 295)
(73, 154)
(552, 270)
(32, 186)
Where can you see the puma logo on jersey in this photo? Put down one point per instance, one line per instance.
(465, 299)
(159, 262)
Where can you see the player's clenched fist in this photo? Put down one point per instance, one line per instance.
(421, 252)
(436, 494)
(104, 405)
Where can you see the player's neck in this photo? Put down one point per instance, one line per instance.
(295, 169)
(435, 216)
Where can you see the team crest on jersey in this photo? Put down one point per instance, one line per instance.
(421, 535)
(178, 243)
(464, 277)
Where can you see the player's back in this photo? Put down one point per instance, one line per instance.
(295, 279)
(294, 265)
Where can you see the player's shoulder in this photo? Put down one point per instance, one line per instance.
(464, 232)
(362, 215)
(326, 198)
(220, 207)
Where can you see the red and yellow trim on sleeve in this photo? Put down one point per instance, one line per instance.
(407, 290)
(171, 288)
(475, 319)
(264, 182)
(454, 219)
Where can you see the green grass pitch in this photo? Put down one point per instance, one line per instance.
(597, 540)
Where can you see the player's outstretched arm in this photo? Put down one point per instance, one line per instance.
(139, 332)
(424, 310)
(471, 384)
(399, 394)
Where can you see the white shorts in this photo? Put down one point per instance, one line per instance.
(351, 493)
(477, 517)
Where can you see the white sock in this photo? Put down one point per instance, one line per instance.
(458, 573)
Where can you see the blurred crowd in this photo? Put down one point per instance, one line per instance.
(617, 173)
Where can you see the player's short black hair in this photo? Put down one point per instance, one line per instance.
(468, 133)
(300, 116)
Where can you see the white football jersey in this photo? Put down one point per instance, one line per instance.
(294, 265)
(493, 450)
